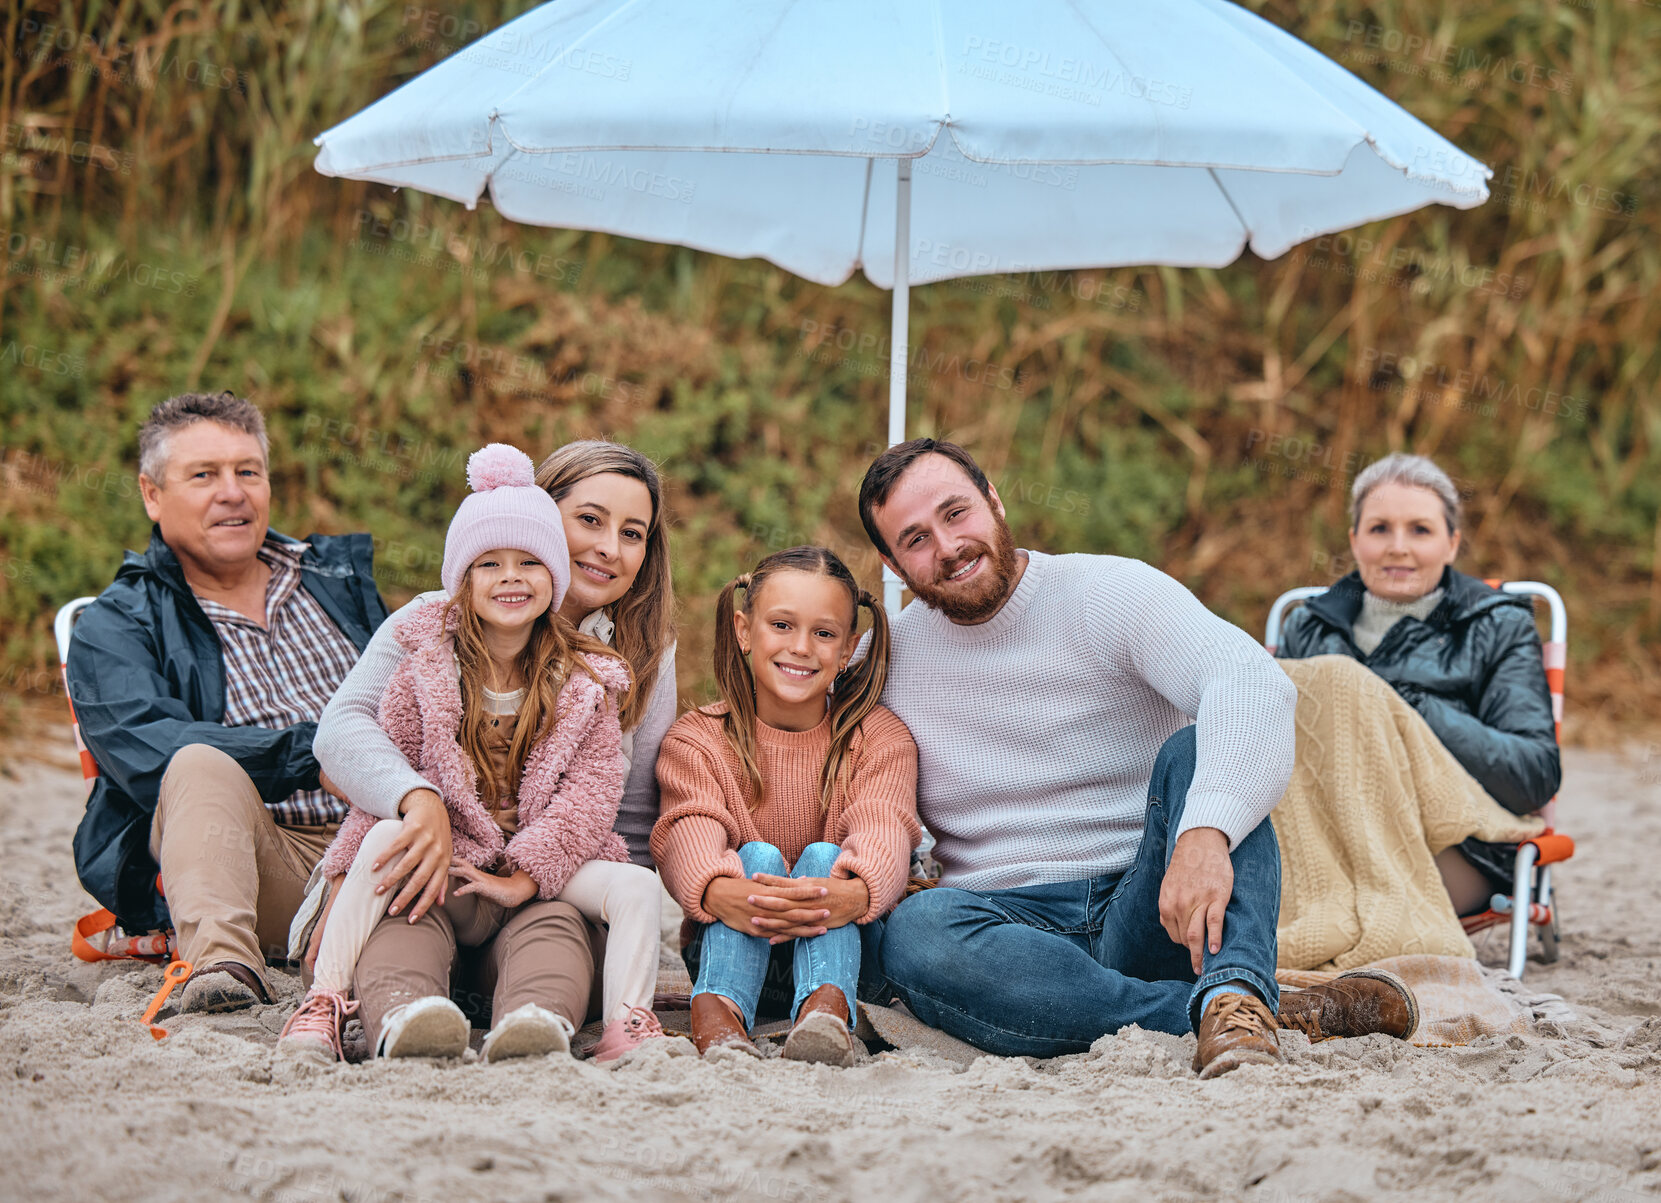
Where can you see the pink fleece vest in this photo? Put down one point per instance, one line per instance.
(568, 793)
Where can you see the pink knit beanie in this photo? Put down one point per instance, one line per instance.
(505, 509)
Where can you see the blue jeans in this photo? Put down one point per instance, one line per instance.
(759, 976)
(1046, 969)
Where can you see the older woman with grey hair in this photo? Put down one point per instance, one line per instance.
(1465, 656)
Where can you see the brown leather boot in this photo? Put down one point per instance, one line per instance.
(1234, 1030)
(1357, 1003)
(716, 1024)
(820, 1035)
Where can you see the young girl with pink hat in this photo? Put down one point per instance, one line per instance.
(513, 713)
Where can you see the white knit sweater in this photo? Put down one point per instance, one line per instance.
(1037, 730)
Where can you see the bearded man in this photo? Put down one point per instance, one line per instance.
(1097, 754)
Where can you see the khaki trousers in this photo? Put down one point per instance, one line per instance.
(540, 953)
(233, 876)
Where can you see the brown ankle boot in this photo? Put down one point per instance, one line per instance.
(1236, 1029)
(1357, 1003)
(820, 1035)
(715, 1024)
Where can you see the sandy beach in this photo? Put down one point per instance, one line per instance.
(1571, 1110)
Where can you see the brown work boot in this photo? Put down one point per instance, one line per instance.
(716, 1024)
(1234, 1030)
(1357, 1003)
(820, 1035)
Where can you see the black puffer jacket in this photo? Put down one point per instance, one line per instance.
(1472, 669)
(147, 676)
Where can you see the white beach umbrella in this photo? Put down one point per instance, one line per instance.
(912, 141)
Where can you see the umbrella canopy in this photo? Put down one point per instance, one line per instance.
(912, 141)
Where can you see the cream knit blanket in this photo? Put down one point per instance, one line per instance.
(1374, 796)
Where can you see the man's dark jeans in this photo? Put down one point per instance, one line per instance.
(1047, 969)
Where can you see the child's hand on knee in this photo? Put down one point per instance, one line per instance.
(789, 907)
(845, 898)
(514, 890)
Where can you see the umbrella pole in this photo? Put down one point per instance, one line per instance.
(899, 350)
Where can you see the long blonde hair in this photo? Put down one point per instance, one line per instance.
(644, 617)
(554, 649)
(853, 695)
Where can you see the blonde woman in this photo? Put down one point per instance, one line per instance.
(1464, 656)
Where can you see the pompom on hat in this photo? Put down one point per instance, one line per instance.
(505, 509)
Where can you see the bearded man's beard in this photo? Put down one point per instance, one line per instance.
(979, 598)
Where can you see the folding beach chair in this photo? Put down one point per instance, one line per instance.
(62, 627)
(96, 936)
(1531, 902)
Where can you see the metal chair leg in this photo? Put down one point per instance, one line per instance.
(1520, 907)
(1548, 929)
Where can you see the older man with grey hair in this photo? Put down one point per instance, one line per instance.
(197, 678)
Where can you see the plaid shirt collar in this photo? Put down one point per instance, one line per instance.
(280, 555)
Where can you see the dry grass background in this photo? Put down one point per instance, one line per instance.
(164, 229)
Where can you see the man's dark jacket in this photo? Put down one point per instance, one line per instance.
(147, 677)
(1472, 668)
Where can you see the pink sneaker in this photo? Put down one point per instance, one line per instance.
(621, 1035)
(313, 1031)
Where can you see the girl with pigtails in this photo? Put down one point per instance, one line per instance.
(789, 809)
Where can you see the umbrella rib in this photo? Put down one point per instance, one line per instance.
(1084, 19)
(490, 176)
(864, 217)
(1245, 227)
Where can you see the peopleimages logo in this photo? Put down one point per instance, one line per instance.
(18, 142)
(15, 354)
(986, 55)
(1469, 390)
(78, 267)
(585, 169)
(1522, 186)
(453, 252)
(1448, 63)
(116, 60)
(1359, 257)
(514, 51)
(870, 355)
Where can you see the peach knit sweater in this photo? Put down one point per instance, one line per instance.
(706, 817)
